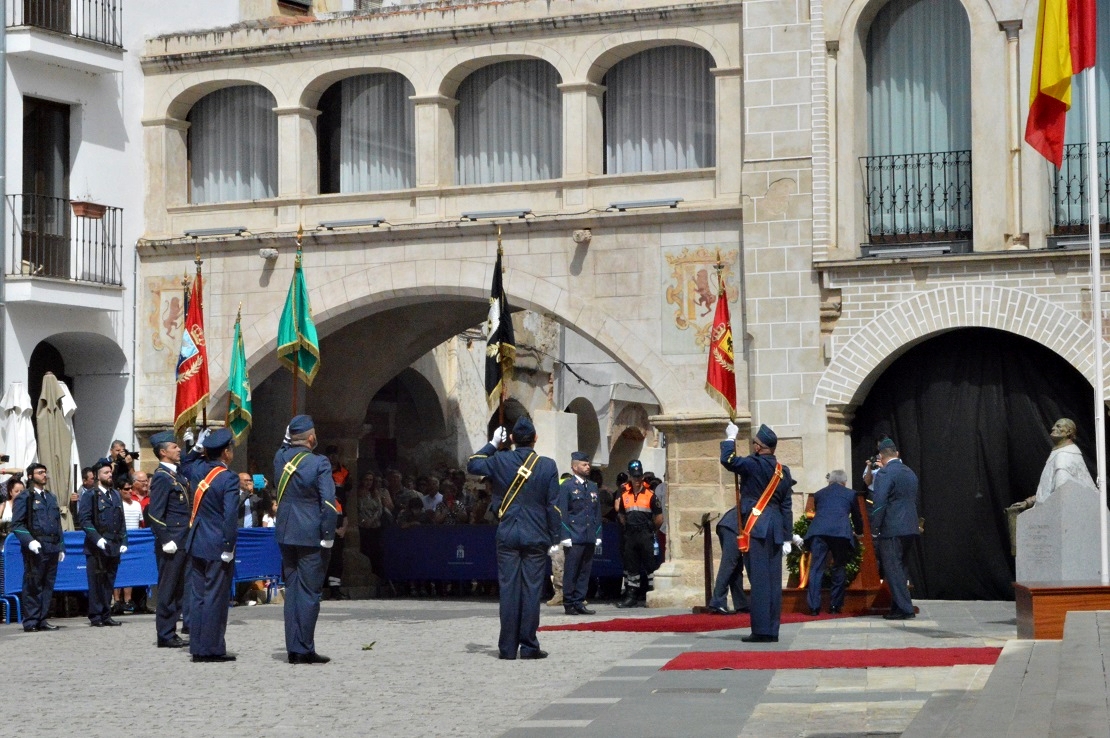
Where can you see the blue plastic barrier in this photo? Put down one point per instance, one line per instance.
(136, 567)
(257, 556)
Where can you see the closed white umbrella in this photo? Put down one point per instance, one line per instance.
(18, 431)
(55, 443)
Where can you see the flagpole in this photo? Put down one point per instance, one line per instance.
(722, 294)
(1096, 311)
(234, 347)
(296, 354)
(200, 296)
(504, 379)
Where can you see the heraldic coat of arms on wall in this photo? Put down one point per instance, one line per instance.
(692, 289)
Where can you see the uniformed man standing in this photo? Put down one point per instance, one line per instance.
(100, 515)
(210, 543)
(37, 524)
(171, 503)
(305, 531)
(580, 512)
(640, 514)
(766, 525)
(525, 493)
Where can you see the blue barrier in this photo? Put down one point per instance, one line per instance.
(257, 556)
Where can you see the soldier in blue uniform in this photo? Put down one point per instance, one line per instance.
(525, 493)
(100, 515)
(171, 503)
(305, 531)
(894, 526)
(730, 574)
(832, 532)
(771, 534)
(210, 543)
(37, 524)
(580, 513)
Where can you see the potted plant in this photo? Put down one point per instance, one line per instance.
(85, 208)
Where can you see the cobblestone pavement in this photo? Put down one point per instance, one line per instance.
(433, 671)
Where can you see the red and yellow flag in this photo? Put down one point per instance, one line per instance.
(720, 377)
(192, 361)
(1065, 46)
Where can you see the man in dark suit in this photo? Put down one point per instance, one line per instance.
(171, 504)
(771, 530)
(580, 513)
(894, 526)
(730, 575)
(833, 530)
(250, 503)
(305, 532)
(37, 523)
(100, 515)
(210, 543)
(525, 494)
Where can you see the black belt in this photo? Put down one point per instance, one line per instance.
(49, 539)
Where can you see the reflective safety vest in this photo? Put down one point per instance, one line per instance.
(637, 507)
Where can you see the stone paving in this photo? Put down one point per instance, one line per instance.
(433, 671)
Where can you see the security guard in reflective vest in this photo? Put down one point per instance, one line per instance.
(305, 532)
(525, 493)
(37, 523)
(765, 524)
(171, 504)
(641, 514)
(210, 543)
(100, 515)
(580, 513)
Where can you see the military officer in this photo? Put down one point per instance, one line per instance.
(525, 493)
(210, 543)
(171, 502)
(100, 515)
(580, 514)
(305, 531)
(37, 524)
(895, 526)
(641, 515)
(765, 518)
(832, 532)
(730, 575)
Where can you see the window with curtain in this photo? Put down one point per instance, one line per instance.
(509, 124)
(660, 111)
(1076, 131)
(233, 141)
(367, 134)
(919, 121)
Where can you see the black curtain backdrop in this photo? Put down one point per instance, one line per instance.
(970, 411)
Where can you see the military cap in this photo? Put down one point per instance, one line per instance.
(157, 439)
(524, 427)
(218, 440)
(767, 437)
(887, 444)
(300, 424)
(101, 463)
(579, 456)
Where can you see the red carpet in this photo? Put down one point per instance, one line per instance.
(880, 657)
(684, 623)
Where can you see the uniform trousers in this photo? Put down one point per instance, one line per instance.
(578, 562)
(730, 575)
(304, 569)
(171, 591)
(211, 586)
(764, 563)
(638, 561)
(892, 555)
(39, 573)
(558, 570)
(520, 575)
(821, 548)
(100, 570)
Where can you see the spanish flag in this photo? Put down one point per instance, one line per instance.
(1065, 46)
(720, 376)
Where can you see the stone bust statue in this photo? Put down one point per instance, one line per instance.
(1065, 464)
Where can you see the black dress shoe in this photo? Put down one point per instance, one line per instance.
(570, 611)
(175, 642)
(712, 610)
(97, 624)
(628, 602)
(834, 610)
(111, 622)
(757, 638)
(30, 629)
(184, 630)
(899, 616)
(48, 626)
(743, 609)
(308, 658)
(815, 612)
(213, 659)
(583, 610)
(533, 655)
(503, 657)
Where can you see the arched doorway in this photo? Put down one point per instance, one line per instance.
(404, 425)
(970, 410)
(589, 431)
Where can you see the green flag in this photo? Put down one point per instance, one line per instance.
(298, 348)
(238, 387)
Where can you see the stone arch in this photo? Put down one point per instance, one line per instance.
(314, 81)
(454, 69)
(607, 51)
(854, 19)
(871, 349)
(179, 97)
(589, 428)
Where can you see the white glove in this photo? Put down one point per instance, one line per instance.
(597, 542)
(122, 550)
(499, 436)
(553, 550)
(731, 431)
(798, 540)
(34, 547)
(102, 545)
(61, 556)
(188, 437)
(227, 557)
(200, 438)
(327, 544)
(786, 548)
(170, 547)
(565, 543)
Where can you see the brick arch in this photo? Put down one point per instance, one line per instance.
(607, 51)
(183, 93)
(875, 346)
(316, 79)
(450, 73)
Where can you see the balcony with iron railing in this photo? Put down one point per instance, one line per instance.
(917, 203)
(92, 20)
(1070, 208)
(50, 239)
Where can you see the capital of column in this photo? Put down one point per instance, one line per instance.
(173, 123)
(297, 110)
(839, 418)
(441, 101)
(1010, 28)
(590, 88)
(727, 71)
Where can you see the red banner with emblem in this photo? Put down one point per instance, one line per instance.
(192, 361)
(720, 377)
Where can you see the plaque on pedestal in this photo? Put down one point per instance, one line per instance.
(1058, 540)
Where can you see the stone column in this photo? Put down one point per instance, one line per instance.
(435, 150)
(839, 419)
(696, 484)
(730, 136)
(298, 159)
(583, 129)
(166, 148)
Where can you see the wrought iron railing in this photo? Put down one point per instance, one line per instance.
(918, 197)
(1069, 192)
(46, 238)
(95, 20)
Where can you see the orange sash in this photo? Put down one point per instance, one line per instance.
(743, 541)
(202, 488)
